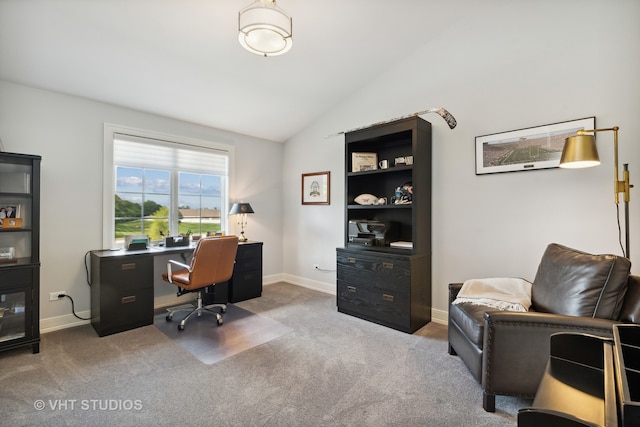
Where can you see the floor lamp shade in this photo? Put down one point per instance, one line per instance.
(579, 152)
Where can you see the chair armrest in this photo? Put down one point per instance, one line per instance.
(516, 347)
(454, 288)
(179, 264)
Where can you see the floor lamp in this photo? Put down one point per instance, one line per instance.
(580, 152)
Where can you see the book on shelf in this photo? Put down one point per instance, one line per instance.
(401, 244)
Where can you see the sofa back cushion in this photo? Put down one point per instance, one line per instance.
(631, 307)
(575, 283)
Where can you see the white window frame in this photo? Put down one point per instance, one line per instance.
(108, 181)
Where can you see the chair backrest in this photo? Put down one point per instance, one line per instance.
(213, 260)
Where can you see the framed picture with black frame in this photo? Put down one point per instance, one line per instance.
(538, 147)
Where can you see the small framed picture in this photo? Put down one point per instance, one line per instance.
(532, 148)
(316, 188)
(10, 212)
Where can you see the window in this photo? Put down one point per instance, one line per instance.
(161, 185)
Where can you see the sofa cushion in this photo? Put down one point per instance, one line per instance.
(575, 283)
(631, 306)
(470, 319)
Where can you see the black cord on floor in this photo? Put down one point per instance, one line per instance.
(73, 309)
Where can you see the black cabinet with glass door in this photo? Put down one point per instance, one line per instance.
(19, 251)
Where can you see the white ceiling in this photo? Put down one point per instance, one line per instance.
(182, 59)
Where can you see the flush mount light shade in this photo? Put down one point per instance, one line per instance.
(579, 152)
(264, 28)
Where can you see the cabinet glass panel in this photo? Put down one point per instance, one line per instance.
(12, 316)
(15, 178)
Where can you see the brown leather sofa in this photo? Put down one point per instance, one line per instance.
(507, 351)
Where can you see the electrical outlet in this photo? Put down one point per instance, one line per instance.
(53, 296)
(316, 266)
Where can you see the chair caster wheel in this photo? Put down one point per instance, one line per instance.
(181, 327)
(169, 317)
(220, 321)
(223, 309)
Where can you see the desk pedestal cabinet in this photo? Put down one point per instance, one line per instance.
(246, 282)
(121, 292)
(122, 285)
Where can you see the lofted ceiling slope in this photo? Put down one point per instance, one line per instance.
(181, 59)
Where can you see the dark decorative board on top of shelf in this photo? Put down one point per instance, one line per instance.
(384, 269)
(20, 251)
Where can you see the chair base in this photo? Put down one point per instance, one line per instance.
(199, 310)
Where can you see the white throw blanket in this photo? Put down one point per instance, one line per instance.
(501, 293)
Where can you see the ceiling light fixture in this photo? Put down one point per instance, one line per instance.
(264, 28)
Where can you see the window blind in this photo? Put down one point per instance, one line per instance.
(134, 151)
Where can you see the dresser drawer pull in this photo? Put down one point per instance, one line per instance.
(388, 265)
(126, 300)
(128, 266)
(387, 297)
(351, 260)
(351, 288)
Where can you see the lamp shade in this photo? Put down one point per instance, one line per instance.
(241, 208)
(579, 152)
(265, 29)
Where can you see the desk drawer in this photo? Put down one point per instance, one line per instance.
(122, 309)
(249, 250)
(385, 306)
(380, 272)
(131, 273)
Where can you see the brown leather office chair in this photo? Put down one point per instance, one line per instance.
(212, 262)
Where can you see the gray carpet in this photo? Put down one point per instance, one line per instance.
(211, 343)
(331, 370)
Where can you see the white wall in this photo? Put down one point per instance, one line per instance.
(67, 132)
(518, 65)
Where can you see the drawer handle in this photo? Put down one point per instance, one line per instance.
(387, 297)
(128, 266)
(126, 300)
(351, 260)
(388, 265)
(351, 288)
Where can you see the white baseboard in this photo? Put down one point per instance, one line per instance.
(69, 320)
(63, 322)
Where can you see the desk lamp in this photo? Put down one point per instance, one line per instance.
(580, 152)
(241, 209)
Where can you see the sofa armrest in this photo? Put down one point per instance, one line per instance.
(454, 288)
(516, 347)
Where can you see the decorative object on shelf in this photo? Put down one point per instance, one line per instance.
(241, 209)
(361, 162)
(265, 29)
(366, 199)
(8, 223)
(384, 164)
(447, 116)
(403, 195)
(316, 188)
(532, 148)
(580, 152)
(7, 254)
(13, 211)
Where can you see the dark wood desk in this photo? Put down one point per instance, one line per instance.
(122, 284)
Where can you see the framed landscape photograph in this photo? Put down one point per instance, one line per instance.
(316, 188)
(532, 148)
